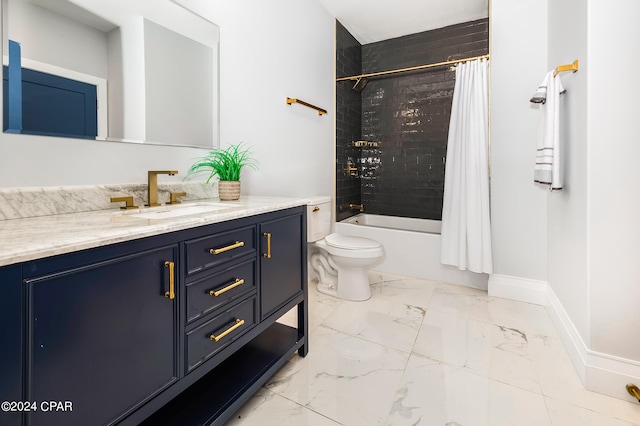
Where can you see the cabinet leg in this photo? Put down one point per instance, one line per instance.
(303, 327)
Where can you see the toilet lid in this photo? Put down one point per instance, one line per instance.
(350, 243)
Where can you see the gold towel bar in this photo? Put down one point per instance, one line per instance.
(569, 67)
(294, 100)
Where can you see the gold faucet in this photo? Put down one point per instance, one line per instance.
(153, 184)
(127, 200)
(357, 207)
(174, 197)
(351, 169)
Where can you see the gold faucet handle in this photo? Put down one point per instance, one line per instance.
(174, 197)
(127, 200)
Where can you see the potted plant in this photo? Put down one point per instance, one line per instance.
(226, 164)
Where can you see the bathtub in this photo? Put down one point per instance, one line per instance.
(412, 247)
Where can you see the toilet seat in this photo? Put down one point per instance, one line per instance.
(373, 249)
(350, 243)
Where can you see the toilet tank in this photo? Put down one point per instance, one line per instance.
(318, 218)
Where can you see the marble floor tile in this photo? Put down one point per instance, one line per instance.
(560, 381)
(566, 414)
(421, 352)
(527, 317)
(380, 320)
(493, 351)
(412, 292)
(344, 378)
(462, 301)
(266, 407)
(432, 393)
(391, 317)
(320, 307)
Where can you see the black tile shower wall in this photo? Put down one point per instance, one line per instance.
(348, 123)
(407, 114)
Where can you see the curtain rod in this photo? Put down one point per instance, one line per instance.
(419, 67)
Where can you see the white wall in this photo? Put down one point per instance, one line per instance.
(270, 51)
(593, 228)
(586, 236)
(568, 260)
(518, 206)
(48, 37)
(281, 48)
(179, 87)
(614, 177)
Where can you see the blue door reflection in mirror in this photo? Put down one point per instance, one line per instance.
(51, 105)
(12, 104)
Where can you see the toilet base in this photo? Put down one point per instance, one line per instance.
(344, 274)
(326, 289)
(353, 284)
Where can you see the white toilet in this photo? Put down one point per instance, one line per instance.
(340, 261)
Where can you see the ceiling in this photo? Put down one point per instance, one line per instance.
(374, 20)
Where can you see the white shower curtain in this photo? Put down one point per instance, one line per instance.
(466, 229)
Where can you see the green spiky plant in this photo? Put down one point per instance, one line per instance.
(225, 163)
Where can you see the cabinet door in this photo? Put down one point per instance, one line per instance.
(102, 337)
(281, 266)
(11, 338)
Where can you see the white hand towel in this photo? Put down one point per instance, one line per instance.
(548, 160)
(540, 96)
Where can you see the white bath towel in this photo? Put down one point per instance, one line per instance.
(548, 161)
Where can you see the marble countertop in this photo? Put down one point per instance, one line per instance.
(37, 237)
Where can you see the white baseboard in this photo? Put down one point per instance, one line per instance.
(571, 339)
(520, 289)
(599, 372)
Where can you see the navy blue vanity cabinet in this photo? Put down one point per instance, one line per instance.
(102, 333)
(281, 262)
(221, 290)
(223, 375)
(180, 328)
(283, 267)
(11, 343)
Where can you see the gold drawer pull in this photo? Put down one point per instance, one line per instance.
(236, 283)
(171, 294)
(268, 253)
(227, 248)
(238, 323)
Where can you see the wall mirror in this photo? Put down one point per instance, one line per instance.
(143, 71)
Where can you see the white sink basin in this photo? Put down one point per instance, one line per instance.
(169, 212)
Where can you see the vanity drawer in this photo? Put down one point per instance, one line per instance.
(207, 252)
(215, 290)
(209, 338)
